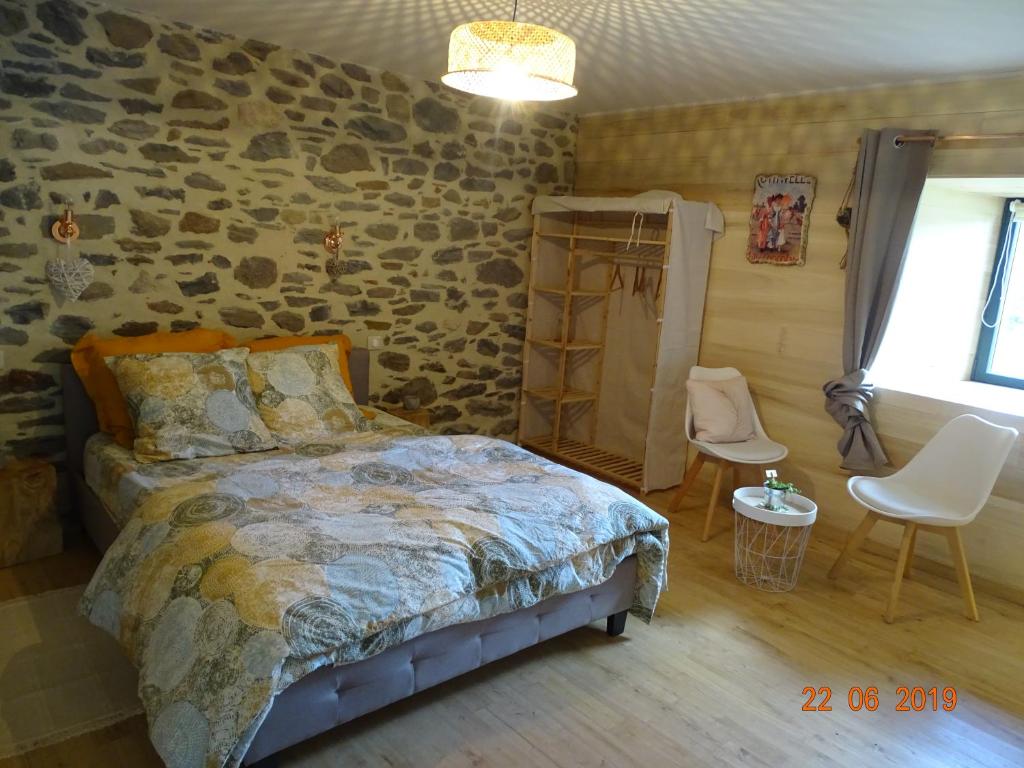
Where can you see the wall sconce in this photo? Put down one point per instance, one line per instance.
(69, 275)
(333, 240)
(64, 229)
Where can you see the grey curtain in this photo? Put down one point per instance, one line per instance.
(887, 188)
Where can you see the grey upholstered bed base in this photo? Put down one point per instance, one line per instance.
(335, 695)
(332, 696)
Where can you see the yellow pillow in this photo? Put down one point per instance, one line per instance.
(189, 405)
(284, 342)
(100, 384)
(301, 396)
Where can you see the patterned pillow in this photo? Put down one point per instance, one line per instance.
(301, 396)
(188, 405)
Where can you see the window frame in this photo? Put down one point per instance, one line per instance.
(987, 336)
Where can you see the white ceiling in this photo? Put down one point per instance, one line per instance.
(641, 53)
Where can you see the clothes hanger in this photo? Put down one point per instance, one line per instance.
(617, 278)
(639, 272)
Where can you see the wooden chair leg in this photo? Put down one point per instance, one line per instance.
(688, 480)
(910, 554)
(735, 476)
(713, 501)
(901, 563)
(854, 542)
(956, 547)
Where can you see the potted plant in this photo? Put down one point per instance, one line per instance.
(775, 491)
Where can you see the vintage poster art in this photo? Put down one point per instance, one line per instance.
(779, 219)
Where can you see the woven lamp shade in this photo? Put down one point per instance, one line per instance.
(511, 60)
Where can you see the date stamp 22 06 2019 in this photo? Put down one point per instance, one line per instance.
(908, 699)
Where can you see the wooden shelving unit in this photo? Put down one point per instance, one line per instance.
(564, 395)
(590, 458)
(574, 261)
(603, 238)
(562, 292)
(570, 345)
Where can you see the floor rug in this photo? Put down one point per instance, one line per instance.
(59, 675)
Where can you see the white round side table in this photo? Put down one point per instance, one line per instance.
(769, 545)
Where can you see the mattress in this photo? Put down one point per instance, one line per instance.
(236, 577)
(122, 483)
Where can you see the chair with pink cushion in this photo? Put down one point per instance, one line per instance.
(757, 450)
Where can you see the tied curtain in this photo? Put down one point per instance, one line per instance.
(886, 190)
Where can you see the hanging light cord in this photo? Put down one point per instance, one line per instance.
(1001, 279)
(515, 9)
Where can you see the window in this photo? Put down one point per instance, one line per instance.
(932, 335)
(1000, 356)
(965, 261)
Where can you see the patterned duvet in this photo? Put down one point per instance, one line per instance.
(234, 577)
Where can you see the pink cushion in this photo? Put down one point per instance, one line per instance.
(722, 411)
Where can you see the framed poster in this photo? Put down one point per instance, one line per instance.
(779, 219)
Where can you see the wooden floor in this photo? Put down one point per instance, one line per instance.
(716, 680)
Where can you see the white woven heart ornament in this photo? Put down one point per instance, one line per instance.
(69, 277)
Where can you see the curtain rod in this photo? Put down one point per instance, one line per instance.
(900, 140)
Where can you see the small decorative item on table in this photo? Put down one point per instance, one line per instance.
(418, 416)
(776, 491)
(29, 528)
(770, 543)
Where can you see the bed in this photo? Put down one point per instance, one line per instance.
(324, 686)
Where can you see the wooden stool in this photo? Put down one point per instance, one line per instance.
(420, 417)
(29, 528)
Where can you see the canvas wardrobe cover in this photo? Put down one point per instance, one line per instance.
(626, 426)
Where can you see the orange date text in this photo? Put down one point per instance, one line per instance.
(908, 699)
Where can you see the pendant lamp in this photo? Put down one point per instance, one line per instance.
(511, 60)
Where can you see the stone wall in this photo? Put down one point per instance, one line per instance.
(204, 170)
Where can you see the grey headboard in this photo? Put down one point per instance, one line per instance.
(80, 416)
(359, 369)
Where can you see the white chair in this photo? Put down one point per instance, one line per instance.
(941, 489)
(757, 451)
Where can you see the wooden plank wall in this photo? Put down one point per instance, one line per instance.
(782, 326)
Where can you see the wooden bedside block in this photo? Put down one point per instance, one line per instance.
(419, 417)
(29, 528)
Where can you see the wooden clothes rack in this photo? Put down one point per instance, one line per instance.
(567, 329)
